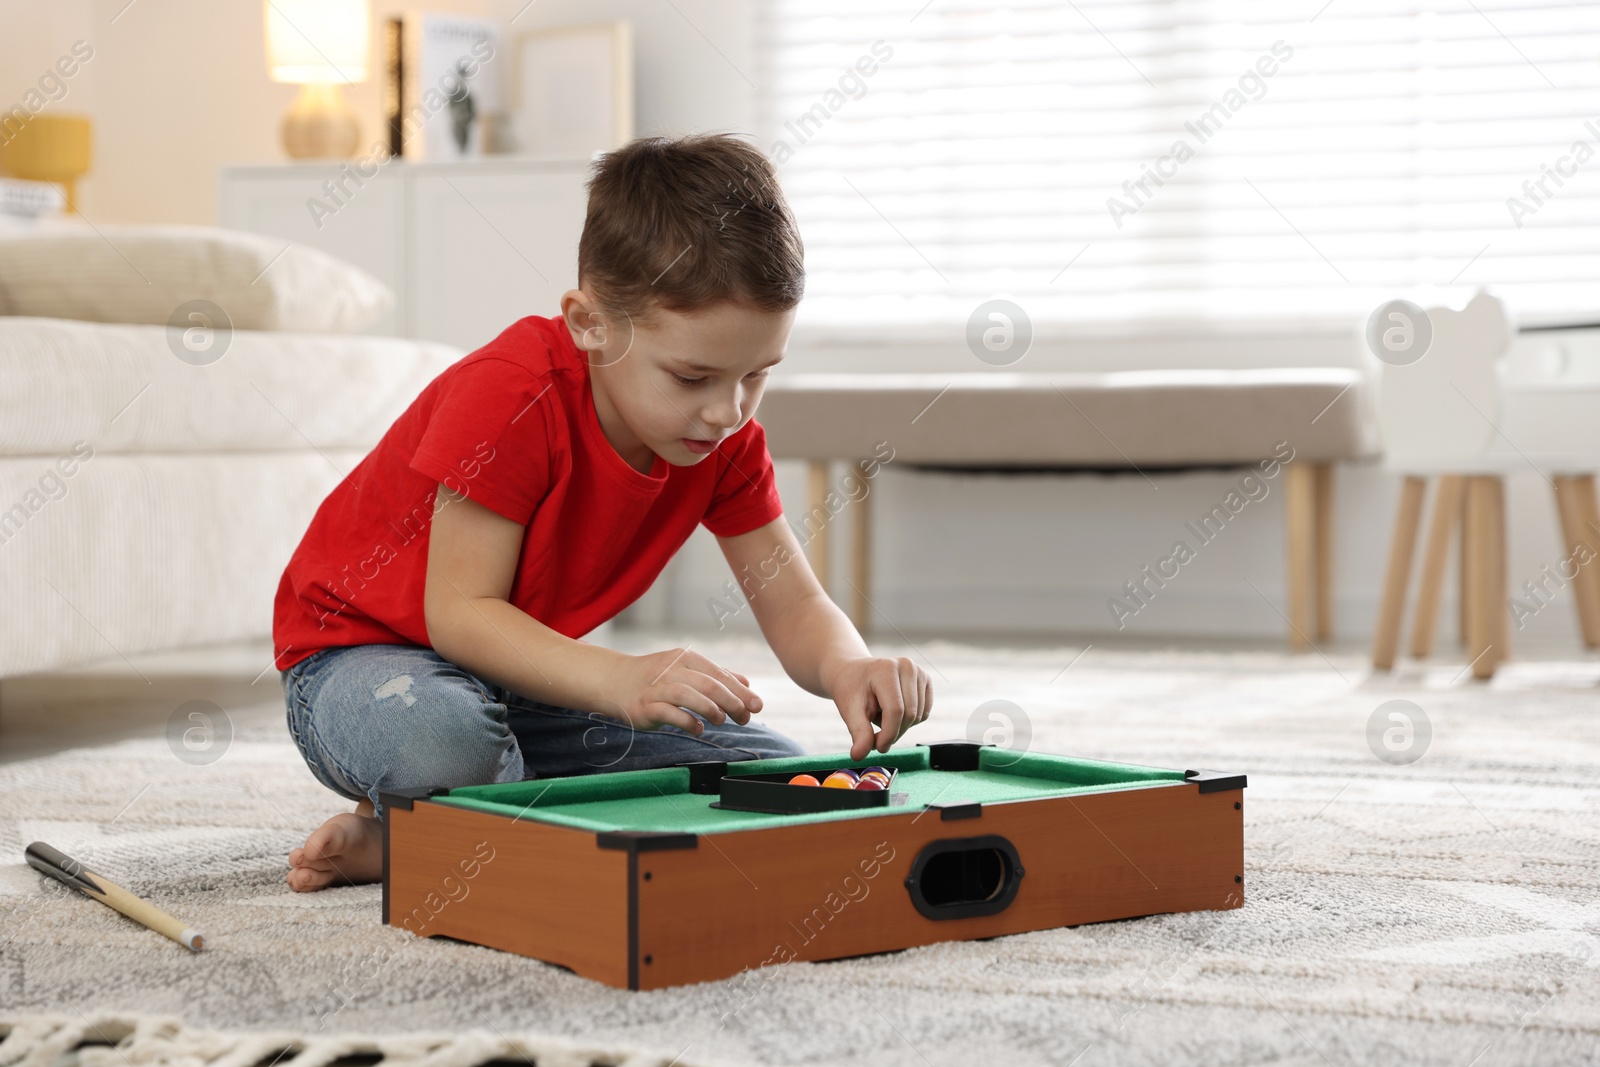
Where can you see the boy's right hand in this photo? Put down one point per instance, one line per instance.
(653, 690)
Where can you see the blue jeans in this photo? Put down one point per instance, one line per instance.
(384, 717)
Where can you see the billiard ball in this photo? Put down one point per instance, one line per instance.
(803, 779)
(881, 770)
(839, 780)
(869, 783)
(876, 776)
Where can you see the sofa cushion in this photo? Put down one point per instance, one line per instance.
(1124, 419)
(124, 389)
(146, 274)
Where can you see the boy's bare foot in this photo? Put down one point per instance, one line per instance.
(345, 850)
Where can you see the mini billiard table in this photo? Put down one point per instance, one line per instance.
(644, 879)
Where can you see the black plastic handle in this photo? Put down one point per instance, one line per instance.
(965, 877)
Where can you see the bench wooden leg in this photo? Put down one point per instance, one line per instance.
(861, 562)
(1463, 579)
(1323, 507)
(1446, 516)
(1402, 545)
(1578, 543)
(1589, 515)
(1488, 637)
(1299, 520)
(817, 547)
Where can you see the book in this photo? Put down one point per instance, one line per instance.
(393, 87)
(444, 85)
(30, 199)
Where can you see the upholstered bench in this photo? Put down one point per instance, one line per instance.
(1135, 421)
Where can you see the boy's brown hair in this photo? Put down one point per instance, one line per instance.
(683, 223)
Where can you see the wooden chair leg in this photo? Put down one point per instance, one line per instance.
(861, 563)
(817, 547)
(1397, 577)
(1569, 511)
(1299, 520)
(1579, 544)
(1486, 566)
(1499, 576)
(1446, 516)
(1471, 540)
(1323, 506)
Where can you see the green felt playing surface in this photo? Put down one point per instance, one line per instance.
(659, 800)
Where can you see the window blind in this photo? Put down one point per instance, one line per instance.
(1189, 162)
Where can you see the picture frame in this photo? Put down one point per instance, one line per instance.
(573, 89)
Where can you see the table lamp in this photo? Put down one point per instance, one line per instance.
(50, 148)
(319, 45)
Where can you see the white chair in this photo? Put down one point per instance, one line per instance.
(1551, 421)
(1463, 415)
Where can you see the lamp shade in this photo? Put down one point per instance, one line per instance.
(311, 41)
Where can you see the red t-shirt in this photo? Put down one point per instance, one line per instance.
(513, 426)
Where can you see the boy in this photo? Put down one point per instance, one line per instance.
(427, 626)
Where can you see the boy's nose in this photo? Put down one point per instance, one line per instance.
(721, 418)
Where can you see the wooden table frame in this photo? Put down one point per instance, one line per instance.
(644, 910)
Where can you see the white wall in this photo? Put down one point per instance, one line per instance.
(32, 37)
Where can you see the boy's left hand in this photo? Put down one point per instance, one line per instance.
(891, 694)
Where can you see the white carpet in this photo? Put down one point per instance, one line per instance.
(1446, 912)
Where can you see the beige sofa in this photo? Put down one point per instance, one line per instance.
(152, 488)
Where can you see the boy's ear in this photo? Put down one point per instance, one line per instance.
(594, 332)
(584, 320)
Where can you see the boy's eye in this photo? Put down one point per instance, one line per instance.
(682, 379)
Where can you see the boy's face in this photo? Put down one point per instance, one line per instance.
(679, 383)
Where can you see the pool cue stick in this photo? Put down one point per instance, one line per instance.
(68, 871)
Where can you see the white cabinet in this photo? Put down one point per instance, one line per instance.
(468, 248)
